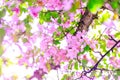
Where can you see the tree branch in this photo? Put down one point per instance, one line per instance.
(85, 21)
(96, 65)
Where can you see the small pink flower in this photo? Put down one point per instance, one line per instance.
(108, 6)
(17, 10)
(118, 77)
(15, 18)
(109, 24)
(66, 24)
(42, 65)
(110, 43)
(34, 11)
(71, 15)
(51, 30)
(67, 4)
(72, 53)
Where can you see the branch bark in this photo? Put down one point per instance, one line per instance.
(85, 21)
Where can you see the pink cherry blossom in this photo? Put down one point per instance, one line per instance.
(42, 64)
(66, 24)
(67, 4)
(15, 18)
(53, 4)
(109, 23)
(17, 10)
(60, 57)
(110, 43)
(34, 11)
(72, 53)
(108, 6)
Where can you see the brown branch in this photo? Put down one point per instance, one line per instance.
(85, 21)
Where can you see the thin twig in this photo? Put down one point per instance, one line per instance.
(98, 52)
(95, 66)
(111, 38)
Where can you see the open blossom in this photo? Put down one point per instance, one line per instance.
(15, 18)
(60, 57)
(53, 4)
(67, 4)
(45, 42)
(110, 43)
(52, 51)
(114, 62)
(66, 24)
(110, 23)
(72, 53)
(71, 15)
(34, 11)
(17, 10)
(38, 74)
(42, 63)
(108, 6)
(52, 29)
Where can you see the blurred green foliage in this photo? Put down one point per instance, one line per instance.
(94, 5)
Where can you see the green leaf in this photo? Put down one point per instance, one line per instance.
(27, 25)
(117, 35)
(84, 62)
(115, 4)
(59, 20)
(70, 64)
(104, 17)
(66, 17)
(47, 17)
(92, 55)
(81, 53)
(72, 31)
(28, 28)
(1, 50)
(41, 17)
(76, 66)
(102, 45)
(56, 42)
(118, 72)
(84, 0)
(94, 5)
(60, 28)
(58, 37)
(2, 34)
(2, 13)
(25, 40)
(28, 19)
(75, 5)
(65, 77)
(23, 7)
(87, 48)
(54, 14)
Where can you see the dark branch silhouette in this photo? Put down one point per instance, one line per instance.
(96, 65)
(84, 73)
